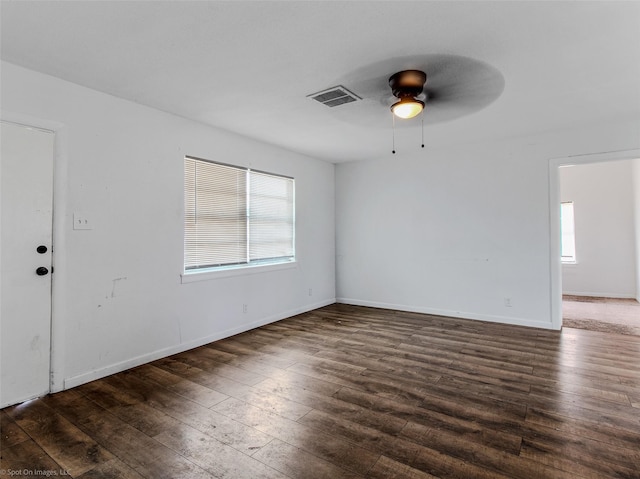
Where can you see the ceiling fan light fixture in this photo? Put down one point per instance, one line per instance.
(407, 107)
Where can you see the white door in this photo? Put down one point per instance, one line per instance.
(26, 207)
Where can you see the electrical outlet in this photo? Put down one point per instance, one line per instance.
(507, 302)
(244, 308)
(310, 292)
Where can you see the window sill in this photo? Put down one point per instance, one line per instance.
(209, 274)
(570, 263)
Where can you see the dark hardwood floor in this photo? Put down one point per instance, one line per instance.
(350, 392)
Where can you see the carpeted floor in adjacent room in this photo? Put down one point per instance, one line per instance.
(612, 315)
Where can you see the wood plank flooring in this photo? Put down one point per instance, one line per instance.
(350, 392)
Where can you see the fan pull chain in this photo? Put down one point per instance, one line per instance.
(422, 128)
(393, 119)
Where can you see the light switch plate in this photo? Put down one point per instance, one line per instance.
(81, 222)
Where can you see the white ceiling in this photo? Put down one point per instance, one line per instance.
(247, 67)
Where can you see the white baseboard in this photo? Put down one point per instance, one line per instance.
(450, 313)
(179, 348)
(601, 295)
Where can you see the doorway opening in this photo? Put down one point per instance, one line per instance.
(599, 287)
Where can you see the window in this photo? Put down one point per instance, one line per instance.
(567, 226)
(235, 216)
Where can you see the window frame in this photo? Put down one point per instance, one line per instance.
(568, 259)
(249, 266)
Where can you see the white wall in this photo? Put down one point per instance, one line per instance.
(455, 231)
(118, 298)
(603, 197)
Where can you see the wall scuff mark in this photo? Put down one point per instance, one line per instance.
(115, 282)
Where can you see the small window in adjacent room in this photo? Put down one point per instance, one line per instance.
(236, 217)
(567, 226)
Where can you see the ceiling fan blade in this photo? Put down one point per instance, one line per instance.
(456, 86)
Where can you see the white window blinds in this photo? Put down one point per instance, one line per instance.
(270, 217)
(235, 216)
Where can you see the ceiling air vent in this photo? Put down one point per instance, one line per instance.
(338, 95)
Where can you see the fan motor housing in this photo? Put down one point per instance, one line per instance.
(407, 83)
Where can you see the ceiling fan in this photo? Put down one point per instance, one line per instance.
(447, 87)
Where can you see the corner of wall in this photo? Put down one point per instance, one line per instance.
(636, 212)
